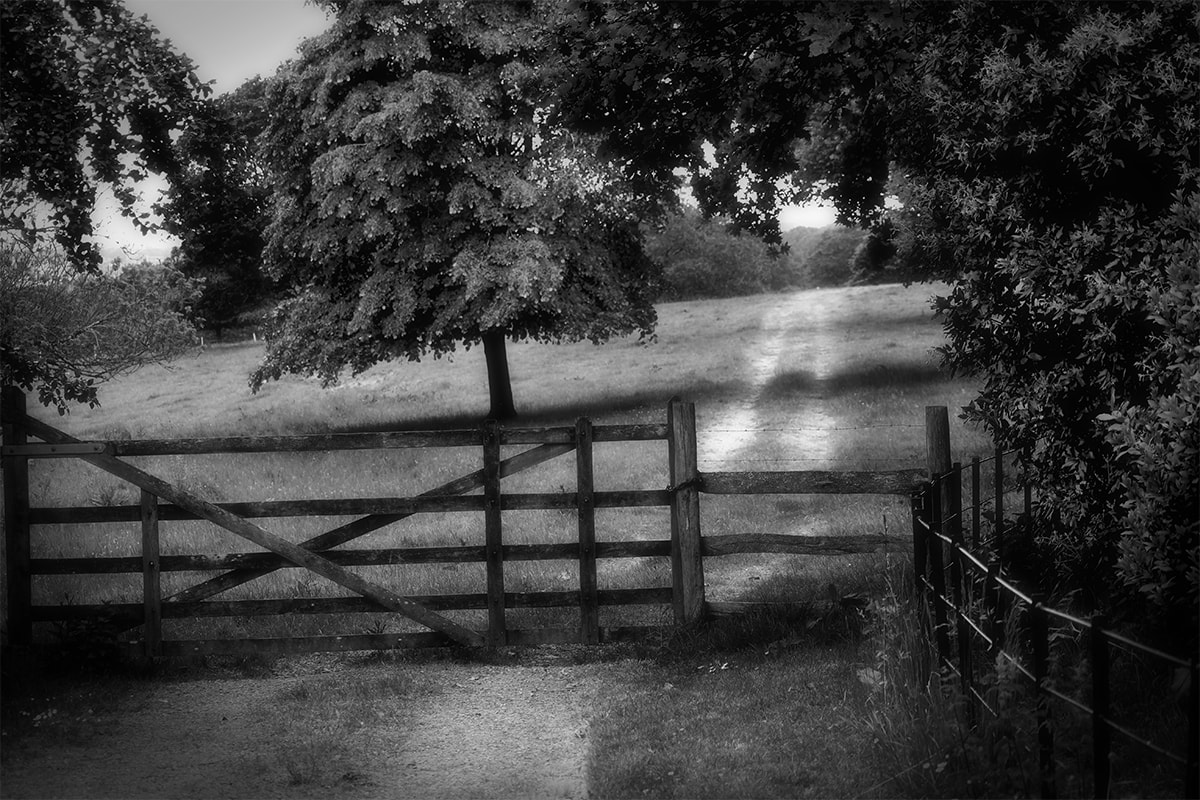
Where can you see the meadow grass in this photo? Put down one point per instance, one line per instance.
(883, 373)
(755, 708)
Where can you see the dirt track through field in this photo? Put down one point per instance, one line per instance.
(491, 731)
(797, 331)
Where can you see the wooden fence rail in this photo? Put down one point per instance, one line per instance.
(978, 599)
(160, 501)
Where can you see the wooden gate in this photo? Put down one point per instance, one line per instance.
(479, 491)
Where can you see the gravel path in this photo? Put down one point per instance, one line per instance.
(472, 731)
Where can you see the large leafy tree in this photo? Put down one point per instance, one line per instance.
(729, 90)
(1047, 155)
(424, 201)
(89, 96)
(219, 204)
(1051, 159)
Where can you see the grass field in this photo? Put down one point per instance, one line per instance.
(849, 374)
(867, 371)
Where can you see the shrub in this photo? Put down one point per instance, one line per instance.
(701, 258)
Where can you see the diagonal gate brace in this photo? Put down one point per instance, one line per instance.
(373, 522)
(248, 530)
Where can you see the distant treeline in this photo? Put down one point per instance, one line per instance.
(702, 258)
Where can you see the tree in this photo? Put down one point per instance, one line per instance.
(63, 332)
(700, 258)
(1048, 158)
(423, 199)
(1051, 152)
(219, 204)
(728, 90)
(88, 96)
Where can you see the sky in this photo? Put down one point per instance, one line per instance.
(231, 41)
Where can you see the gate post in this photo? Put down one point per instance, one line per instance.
(497, 633)
(16, 519)
(687, 562)
(589, 611)
(151, 581)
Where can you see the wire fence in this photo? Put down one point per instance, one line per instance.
(979, 613)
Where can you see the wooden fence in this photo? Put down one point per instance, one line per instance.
(971, 599)
(162, 501)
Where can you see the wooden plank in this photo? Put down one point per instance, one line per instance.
(40, 450)
(375, 441)
(151, 588)
(811, 482)
(361, 527)
(558, 551)
(295, 444)
(557, 435)
(396, 506)
(687, 564)
(248, 530)
(731, 544)
(134, 612)
(589, 612)
(493, 535)
(337, 507)
(629, 433)
(15, 473)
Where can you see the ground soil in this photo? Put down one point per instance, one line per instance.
(465, 730)
(472, 730)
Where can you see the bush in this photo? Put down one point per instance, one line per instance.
(700, 258)
(823, 256)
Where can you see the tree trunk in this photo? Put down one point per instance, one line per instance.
(499, 381)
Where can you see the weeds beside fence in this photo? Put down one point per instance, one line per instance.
(983, 621)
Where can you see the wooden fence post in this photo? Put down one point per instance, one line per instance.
(497, 634)
(16, 519)
(937, 440)
(937, 574)
(1101, 735)
(586, 509)
(1039, 632)
(687, 563)
(151, 585)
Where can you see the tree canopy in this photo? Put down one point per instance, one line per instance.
(1046, 158)
(89, 96)
(218, 204)
(424, 200)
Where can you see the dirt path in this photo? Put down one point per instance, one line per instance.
(798, 335)
(471, 731)
(798, 332)
(466, 731)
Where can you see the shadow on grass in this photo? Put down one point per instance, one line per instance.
(546, 413)
(874, 378)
